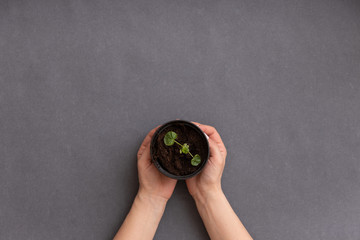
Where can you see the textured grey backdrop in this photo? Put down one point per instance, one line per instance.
(82, 82)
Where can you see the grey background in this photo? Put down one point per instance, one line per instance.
(82, 82)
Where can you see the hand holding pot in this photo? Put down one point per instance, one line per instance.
(149, 204)
(155, 189)
(152, 183)
(219, 218)
(209, 180)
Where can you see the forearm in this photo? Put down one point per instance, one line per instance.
(143, 218)
(220, 220)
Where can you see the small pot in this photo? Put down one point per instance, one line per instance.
(169, 160)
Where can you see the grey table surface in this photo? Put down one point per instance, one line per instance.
(82, 82)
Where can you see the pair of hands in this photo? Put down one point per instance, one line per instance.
(155, 189)
(155, 185)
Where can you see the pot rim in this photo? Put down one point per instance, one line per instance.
(158, 165)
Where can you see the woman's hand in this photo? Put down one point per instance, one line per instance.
(219, 218)
(208, 181)
(149, 204)
(153, 184)
(155, 189)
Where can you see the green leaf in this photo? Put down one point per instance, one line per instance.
(185, 148)
(169, 138)
(196, 160)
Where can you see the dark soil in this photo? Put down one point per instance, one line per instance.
(170, 157)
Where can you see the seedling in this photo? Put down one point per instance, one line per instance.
(169, 140)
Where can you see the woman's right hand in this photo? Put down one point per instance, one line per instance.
(208, 181)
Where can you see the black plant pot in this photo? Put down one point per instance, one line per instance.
(168, 159)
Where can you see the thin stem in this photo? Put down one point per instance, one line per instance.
(178, 143)
(191, 154)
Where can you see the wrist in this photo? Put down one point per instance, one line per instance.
(202, 197)
(156, 202)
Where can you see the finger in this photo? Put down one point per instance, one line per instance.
(215, 154)
(146, 142)
(214, 135)
(196, 123)
(210, 131)
(144, 160)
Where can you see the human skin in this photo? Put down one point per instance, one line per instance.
(220, 220)
(155, 189)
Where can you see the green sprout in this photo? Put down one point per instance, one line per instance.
(170, 139)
